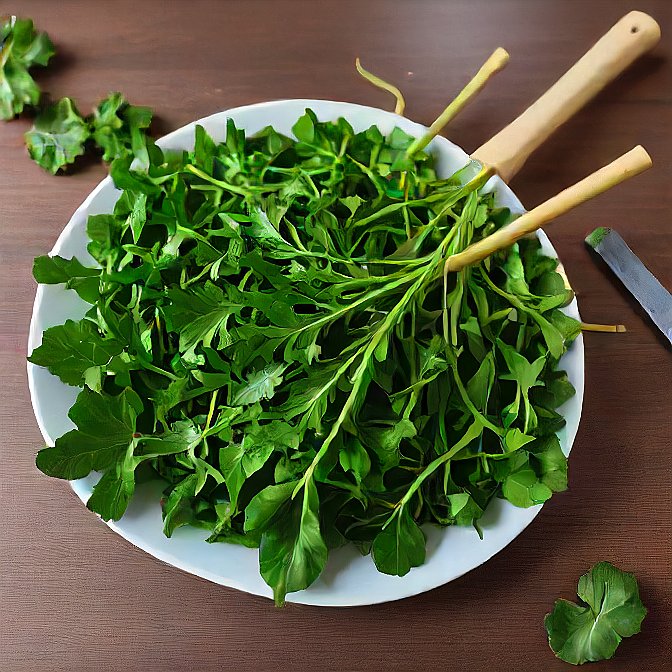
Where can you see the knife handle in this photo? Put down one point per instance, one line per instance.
(634, 35)
(630, 164)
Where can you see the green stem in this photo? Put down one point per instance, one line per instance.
(156, 369)
(358, 377)
(472, 433)
(495, 63)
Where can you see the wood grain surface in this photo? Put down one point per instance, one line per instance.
(75, 596)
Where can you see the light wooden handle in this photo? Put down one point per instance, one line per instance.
(634, 162)
(634, 35)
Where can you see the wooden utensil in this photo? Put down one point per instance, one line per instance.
(635, 34)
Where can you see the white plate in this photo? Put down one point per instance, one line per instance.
(349, 579)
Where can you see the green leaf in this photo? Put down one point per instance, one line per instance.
(266, 505)
(526, 374)
(231, 464)
(113, 492)
(568, 327)
(201, 315)
(21, 47)
(523, 488)
(515, 439)
(480, 384)
(385, 442)
(552, 462)
(464, 509)
(71, 349)
(56, 270)
(105, 428)
(182, 435)
(177, 509)
(556, 391)
(399, 546)
(239, 461)
(58, 136)
(354, 458)
(292, 553)
(119, 128)
(304, 128)
(260, 385)
(610, 610)
(352, 203)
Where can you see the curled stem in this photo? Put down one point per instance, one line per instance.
(382, 84)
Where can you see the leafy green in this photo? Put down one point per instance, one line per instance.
(58, 136)
(292, 553)
(308, 377)
(55, 270)
(119, 128)
(610, 609)
(70, 350)
(105, 428)
(400, 546)
(21, 47)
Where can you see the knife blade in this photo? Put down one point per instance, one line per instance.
(636, 277)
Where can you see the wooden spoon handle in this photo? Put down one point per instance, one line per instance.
(635, 34)
(634, 162)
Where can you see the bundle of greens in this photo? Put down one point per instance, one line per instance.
(272, 333)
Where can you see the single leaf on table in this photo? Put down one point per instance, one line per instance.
(105, 428)
(400, 546)
(55, 270)
(21, 47)
(70, 349)
(610, 610)
(58, 136)
(292, 553)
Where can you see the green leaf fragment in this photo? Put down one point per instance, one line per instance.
(58, 136)
(610, 610)
(21, 47)
(400, 546)
(292, 553)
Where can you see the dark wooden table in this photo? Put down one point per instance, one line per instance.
(75, 596)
